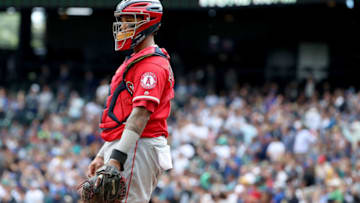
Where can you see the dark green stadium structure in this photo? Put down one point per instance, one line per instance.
(254, 32)
(171, 4)
(87, 3)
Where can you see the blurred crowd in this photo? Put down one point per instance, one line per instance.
(265, 145)
(48, 136)
(250, 144)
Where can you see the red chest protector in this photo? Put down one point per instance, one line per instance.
(113, 115)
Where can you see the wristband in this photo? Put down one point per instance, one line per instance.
(120, 157)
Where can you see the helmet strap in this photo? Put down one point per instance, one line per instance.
(142, 35)
(127, 53)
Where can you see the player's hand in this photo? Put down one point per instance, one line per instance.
(115, 163)
(95, 165)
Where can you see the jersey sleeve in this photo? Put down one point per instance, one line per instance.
(149, 83)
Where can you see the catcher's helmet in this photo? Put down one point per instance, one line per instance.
(146, 15)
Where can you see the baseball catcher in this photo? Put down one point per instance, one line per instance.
(133, 123)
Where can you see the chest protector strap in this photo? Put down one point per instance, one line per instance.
(122, 86)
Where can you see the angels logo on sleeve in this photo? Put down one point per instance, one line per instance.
(148, 80)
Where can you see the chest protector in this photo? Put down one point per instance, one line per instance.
(114, 115)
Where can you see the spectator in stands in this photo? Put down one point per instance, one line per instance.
(250, 145)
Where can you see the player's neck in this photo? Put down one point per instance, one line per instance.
(149, 41)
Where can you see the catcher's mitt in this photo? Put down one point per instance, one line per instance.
(107, 186)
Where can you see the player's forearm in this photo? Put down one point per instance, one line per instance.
(138, 120)
(134, 127)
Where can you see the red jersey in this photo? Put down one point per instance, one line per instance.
(148, 82)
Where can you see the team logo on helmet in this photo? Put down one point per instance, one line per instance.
(148, 80)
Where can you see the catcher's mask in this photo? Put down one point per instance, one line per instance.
(135, 20)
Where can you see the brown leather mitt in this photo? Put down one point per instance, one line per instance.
(107, 186)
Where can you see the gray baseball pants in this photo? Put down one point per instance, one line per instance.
(144, 165)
